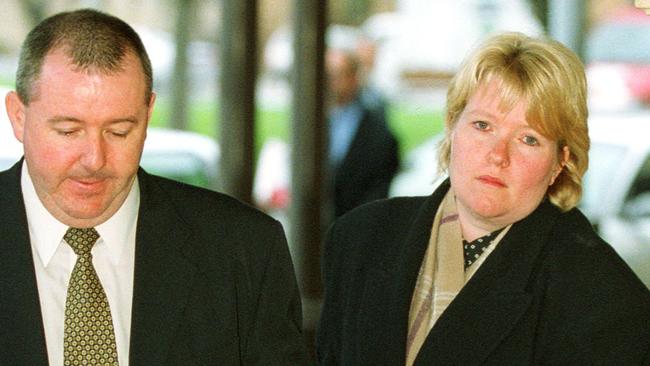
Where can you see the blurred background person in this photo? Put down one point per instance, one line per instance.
(363, 153)
(497, 266)
(371, 95)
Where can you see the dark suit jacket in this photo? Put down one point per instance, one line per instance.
(369, 165)
(552, 293)
(213, 282)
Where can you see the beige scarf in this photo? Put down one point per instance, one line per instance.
(442, 274)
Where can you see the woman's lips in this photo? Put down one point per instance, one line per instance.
(492, 181)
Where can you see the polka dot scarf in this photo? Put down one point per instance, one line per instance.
(473, 250)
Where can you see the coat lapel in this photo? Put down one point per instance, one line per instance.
(492, 302)
(163, 273)
(385, 328)
(22, 340)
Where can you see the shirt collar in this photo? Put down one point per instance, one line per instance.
(46, 232)
(351, 108)
(120, 229)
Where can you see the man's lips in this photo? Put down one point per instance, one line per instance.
(89, 184)
(492, 181)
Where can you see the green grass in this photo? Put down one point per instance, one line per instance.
(412, 126)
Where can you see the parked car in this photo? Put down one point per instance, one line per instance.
(10, 149)
(184, 156)
(616, 194)
(418, 174)
(618, 61)
(181, 155)
(616, 187)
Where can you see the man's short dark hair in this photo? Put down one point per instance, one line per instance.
(91, 39)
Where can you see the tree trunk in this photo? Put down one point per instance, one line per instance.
(180, 77)
(237, 112)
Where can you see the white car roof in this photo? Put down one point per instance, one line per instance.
(629, 128)
(165, 140)
(10, 148)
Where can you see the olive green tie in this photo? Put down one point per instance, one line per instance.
(89, 338)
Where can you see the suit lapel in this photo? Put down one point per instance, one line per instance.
(22, 340)
(163, 272)
(390, 287)
(492, 302)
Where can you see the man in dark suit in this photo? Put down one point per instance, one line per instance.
(363, 153)
(179, 275)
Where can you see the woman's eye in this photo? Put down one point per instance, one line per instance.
(530, 140)
(481, 125)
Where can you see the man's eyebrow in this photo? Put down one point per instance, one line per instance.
(57, 119)
(129, 119)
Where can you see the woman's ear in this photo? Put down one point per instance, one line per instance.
(566, 154)
(564, 159)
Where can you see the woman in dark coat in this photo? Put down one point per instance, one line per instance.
(497, 266)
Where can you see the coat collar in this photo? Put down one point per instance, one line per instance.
(492, 302)
(494, 299)
(498, 289)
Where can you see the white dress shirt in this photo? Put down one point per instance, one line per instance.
(113, 259)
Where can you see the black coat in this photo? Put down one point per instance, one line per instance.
(213, 282)
(551, 293)
(366, 171)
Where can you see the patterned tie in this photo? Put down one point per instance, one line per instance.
(89, 338)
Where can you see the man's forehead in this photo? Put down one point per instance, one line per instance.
(58, 68)
(65, 55)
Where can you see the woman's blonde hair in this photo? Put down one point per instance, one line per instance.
(551, 79)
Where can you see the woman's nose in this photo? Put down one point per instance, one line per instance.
(499, 154)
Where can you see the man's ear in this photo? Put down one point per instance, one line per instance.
(152, 101)
(16, 113)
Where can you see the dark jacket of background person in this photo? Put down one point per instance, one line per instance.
(369, 165)
(207, 269)
(551, 293)
(360, 169)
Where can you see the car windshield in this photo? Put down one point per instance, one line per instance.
(604, 159)
(619, 42)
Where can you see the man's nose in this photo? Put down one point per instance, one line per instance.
(94, 153)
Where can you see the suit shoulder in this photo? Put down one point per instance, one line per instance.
(382, 211)
(581, 255)
(373, 228)
(193, 201)
(576, 236)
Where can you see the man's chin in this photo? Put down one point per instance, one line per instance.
(83, 215)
